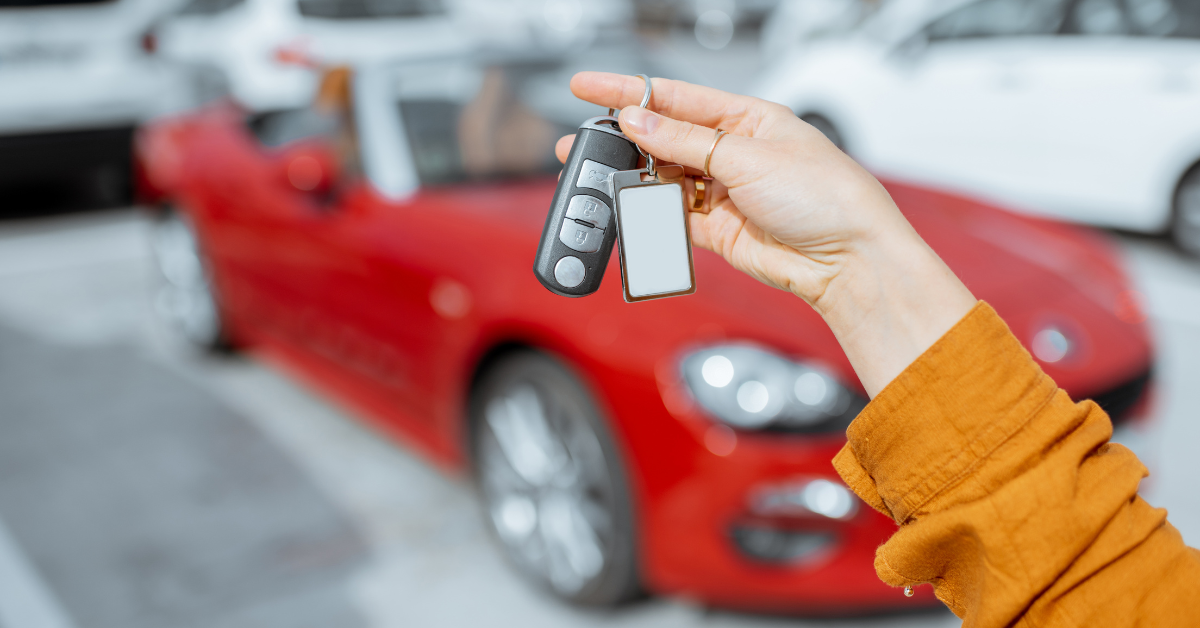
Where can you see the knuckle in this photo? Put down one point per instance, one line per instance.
(776, 110)
(664, 94)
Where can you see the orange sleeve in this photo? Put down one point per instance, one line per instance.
(1011, 501)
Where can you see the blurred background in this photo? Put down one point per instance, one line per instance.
(236, 390)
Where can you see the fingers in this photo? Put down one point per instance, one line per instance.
(682, 142)
(563, 147)
(676, 99)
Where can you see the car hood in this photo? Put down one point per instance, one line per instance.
(1040, 274)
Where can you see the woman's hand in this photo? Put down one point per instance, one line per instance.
(787, 207)
(791, 210)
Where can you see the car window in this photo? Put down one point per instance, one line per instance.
(1164, 18)
(368, 9)
(279, 128)
(209, 7)
(479, 124)
(999, 18)
(1097, 17)
(466, 122)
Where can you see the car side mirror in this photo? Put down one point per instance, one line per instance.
(310, 168)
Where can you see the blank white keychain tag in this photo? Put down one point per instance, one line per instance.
(654, 241)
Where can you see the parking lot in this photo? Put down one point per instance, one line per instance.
(145, 484)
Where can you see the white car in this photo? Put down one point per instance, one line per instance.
(74, 82)
(1084, 110)
(266, 50)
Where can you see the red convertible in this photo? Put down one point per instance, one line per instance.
(379, 246)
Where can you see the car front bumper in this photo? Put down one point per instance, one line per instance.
(702, 537)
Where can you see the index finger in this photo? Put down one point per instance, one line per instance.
(697, 104)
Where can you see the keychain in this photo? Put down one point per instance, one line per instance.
(650, 219)
(653, 235)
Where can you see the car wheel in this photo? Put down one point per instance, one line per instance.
(185, 297)
(1185, 220)
(553, 486)
(822, 124)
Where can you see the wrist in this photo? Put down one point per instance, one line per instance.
(892, 299)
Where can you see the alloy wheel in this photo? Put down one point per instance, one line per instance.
(550, 491)
(184, 297)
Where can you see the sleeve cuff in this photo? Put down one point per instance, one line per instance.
(925, 431)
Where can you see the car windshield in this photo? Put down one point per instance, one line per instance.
(467, 122)
(368, 9)
(1011, 18)
(209, 7)
(1000, 18)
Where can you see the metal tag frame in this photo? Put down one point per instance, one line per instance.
(628, 179)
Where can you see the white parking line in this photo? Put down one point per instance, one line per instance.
(118, 240)
(25, 600)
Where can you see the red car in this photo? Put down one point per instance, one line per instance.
(379, 245)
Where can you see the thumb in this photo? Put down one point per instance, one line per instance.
(682, 142)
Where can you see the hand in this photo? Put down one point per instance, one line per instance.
(791, 210)
(787, 207)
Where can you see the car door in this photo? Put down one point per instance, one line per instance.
(267, 223)
(390, 294)
(1110, 98)
(956, 92)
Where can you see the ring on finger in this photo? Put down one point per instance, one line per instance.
(708, 157)
(701, 187)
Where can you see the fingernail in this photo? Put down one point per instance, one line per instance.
(640, 121)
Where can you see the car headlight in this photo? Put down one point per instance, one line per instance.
(752, 389)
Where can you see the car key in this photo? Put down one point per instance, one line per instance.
(579, 233)
(578, 237)
(655, 241)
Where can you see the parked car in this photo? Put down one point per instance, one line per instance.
(793, 22)
(379, 246)
(713, 22)
(264, 50)
(1078, 110)
(75, 81)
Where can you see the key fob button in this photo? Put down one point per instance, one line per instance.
(569, 272)
(581, 238)
(594, 175)
(591, 209)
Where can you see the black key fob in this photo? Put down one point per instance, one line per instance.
(581, 228)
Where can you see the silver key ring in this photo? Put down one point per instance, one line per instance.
(645, 96)
(650, 169)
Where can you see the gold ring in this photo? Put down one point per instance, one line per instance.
(698, 201)
(708, 157)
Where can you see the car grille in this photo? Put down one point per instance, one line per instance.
(1118, 401)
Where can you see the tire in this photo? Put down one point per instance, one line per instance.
(185, 298)
(1185, 215)
(553, 486)
(827, 128)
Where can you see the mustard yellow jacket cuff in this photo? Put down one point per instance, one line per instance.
(1011, 501)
